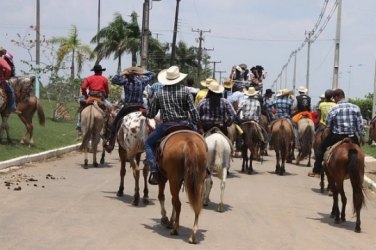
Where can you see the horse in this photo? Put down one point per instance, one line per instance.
(4, 114)
(131, 137)
(233, 133)
(372, 131)
(318, 138)
(306, 131)
(27, 103)
(344, 162)
(282, 139)
(92, 120)
(254, 141)
(219, 156)
(183, 160)
(264, 123)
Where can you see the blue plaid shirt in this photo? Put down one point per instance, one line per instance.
(133, 92)
(345, 118)
(283, 107)
(175, 103)
(225, 112)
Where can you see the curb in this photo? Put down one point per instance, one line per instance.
(60, 151)
(38, 157)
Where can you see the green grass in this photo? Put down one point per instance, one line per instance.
(52, 135)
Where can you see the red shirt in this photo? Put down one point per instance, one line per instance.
(96, 83)
(5, 70)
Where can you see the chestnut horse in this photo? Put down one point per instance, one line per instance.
(254, 141)
(183, 160)
(344, 162)
(131, 138)
(372, 131)
(306, 130)
(92, 120)
(282, 140)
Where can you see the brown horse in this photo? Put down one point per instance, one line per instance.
(131, 138)
(346, 161)
(282, 140)
(183, 160)
(92, 120)
(306, 130)
(372, 131)
(319, 137)
(27, 103)
(4, 114)
(254, 141)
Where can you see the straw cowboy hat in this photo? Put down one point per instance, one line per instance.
(251, 91)
(215, 87)
(171, 76)
(228, 84)
(133, 70)
(302, 89)
(283, 92)
(207, 81)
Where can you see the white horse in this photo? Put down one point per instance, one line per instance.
(219, 156)
(131, 138)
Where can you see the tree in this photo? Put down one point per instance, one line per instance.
(365, 105)
(117, 38)
(71, 45)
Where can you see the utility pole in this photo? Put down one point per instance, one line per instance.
(214, 63)
(37, 50)
(145, 34)
(337, 42)
(374, 95)
(199, 54)
(294, 76)
(220, 75)
(173, 49)
(99, 19)
(309, 33)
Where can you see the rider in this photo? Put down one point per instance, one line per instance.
(325, 106)
(344, 120)
(282, 105)
(267, 100)
(201, 94)
(176, 107)
(134, 81)
(95, 85)
(7, 65)
(214, 110)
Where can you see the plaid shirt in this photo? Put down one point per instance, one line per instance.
(283, 107)
(345, 118)
(250, 108)
(225, 113)
(133, 92)
(175, 103)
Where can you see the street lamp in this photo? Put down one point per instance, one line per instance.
(145, 33)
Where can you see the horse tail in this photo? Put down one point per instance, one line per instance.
(89, 128)
(356, 179)
(192, 179)
(218, 157)
(41, 116)
(307, 141)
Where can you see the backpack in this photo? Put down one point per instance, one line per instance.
(5, 70)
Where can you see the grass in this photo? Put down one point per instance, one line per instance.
(54, 134)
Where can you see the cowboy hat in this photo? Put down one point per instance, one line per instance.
(171, 76)
(207, 81)
(228, 83)
(269, 91)
(98, 68)
(133, 70)
(322, 96)
(215, 87)
(251, 91)
(243, 66)
(283, 92)
(302, 89)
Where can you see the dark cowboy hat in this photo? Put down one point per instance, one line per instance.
(269, 91)
(98, 68)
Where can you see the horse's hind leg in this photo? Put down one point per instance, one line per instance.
(145, 172)
(161, 198)
(192, 238)
(123, 171)
(207, 188)
(136, 176)
(344, 201)
(176, 211)
(223, 186)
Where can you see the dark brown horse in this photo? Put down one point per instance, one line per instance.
(282, 140)
(346, 161)
(183, 160)
(254, 141)
(306, 130)
(319, 137)
(372, 131)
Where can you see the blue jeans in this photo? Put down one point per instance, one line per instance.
(155, 136)
(11, 96)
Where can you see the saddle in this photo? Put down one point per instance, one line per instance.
(260, 131)
(329, 151)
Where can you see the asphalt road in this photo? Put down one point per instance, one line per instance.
(63, 206)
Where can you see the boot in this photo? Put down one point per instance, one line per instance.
(154, 178)
(110, 144)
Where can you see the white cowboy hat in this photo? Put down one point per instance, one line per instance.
(302, 89)
(283, 92)
(251, 91)
(207, 82)
(171, 76)
(322, 96)
(215, 87)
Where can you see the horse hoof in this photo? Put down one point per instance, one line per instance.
(135, 202)
(119, 193)
(337, 221)
(102, 161)
(357, 229)
(192, 240)
(145, 201)
(95, 165)
(165, 221)
(174, 232)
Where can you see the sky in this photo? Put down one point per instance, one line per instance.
(257, 32)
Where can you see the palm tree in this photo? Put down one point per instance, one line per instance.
(117, 38)
(72, 45)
